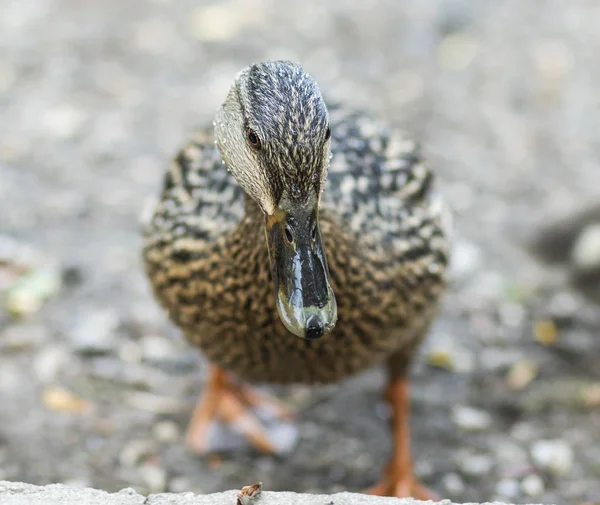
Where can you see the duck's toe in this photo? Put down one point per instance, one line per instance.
(402, 486)
(229, 413)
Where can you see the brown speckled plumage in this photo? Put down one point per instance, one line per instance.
(316, 251)
(383, 233)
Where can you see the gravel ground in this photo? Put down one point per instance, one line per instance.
(96, 386)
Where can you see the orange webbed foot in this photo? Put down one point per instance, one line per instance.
(236, 405)
(398, 479)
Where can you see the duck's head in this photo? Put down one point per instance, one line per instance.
(273, 134)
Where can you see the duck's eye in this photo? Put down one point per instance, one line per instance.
(328, 133)
(288, 234)
(253, 138)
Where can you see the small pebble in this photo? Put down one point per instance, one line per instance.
(166, 432)
(48, 363)
(63, 121)
(563, 306)
(471, 419)
(512, 314)
(510, 454)
(554, 456)
(153, 35)
(11, 377)
(300, 397)
(484, 327)
(155, 477)
(77, 482)
(532, 485)
(156, 348)
(586, 251)
(498, 358)
(19, 256)
(150, 402)
(523, 432)
(181, 485)
(476, 464)
(95, 332)
(23, 336)
(464, 360)
(457, 51)
(219, 22)
(486, 286)
(454, 484)
(508, 488)
(130, 352)
(136, 450)
(8, 76)
(424, 469)
(466, 259)
(553, 58)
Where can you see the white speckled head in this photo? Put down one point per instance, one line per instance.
(273, 131)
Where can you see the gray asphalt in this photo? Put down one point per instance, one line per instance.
(96, 387)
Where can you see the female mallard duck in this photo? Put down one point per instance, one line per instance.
(316, 254)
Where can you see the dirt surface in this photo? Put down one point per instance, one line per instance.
(96, 386)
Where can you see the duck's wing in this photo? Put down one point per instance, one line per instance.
(380, 186)
(371, 162)
(200, 200)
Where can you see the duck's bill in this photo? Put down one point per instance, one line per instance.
(305, 300)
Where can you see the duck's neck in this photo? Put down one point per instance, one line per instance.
(252, 212)
(245, 249)
(250, 232)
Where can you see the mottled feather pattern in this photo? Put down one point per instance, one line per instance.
(207, 258)
(291, 119)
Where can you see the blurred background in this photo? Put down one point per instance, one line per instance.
(96, 387)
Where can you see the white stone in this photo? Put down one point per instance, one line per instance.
(466, 258)
(155, 347)
(586, 250)
(95, 331)
(554, 456)
(63, 121)
(454, 484)
(476, 464)
(508, 488)
(135, 450)
(532, 485)
(166, 431)
(154, 476)
(49, 362)
(471, 419)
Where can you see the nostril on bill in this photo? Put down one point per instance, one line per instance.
(314, 328)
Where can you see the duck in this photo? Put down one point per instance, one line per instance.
(298, 242)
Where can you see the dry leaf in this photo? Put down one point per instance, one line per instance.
(591, 395)
(28, 293)
(521, 374)
(248, 494)
(440, 358)
(62, 400)
(545, 332)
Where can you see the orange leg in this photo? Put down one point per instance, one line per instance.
(399, 479)
(232, 402)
